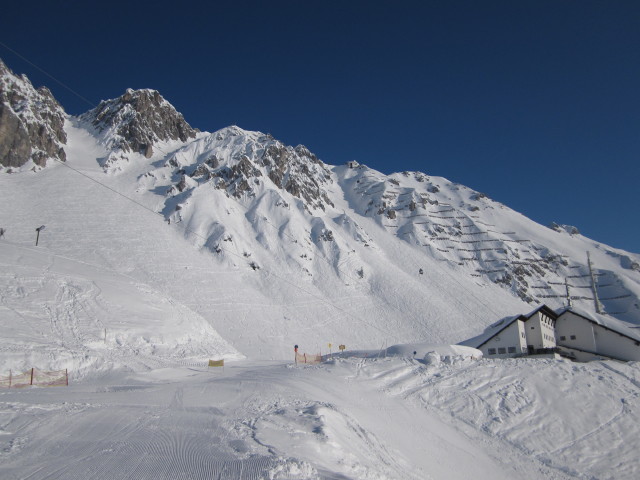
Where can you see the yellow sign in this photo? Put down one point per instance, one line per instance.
(216, 363)
(329, 345)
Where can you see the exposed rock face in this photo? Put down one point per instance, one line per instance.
(298, 171)
(240, 162)
(137, 120)
(570, 229)
(31, 122)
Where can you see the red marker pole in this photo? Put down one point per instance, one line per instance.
(295, 350)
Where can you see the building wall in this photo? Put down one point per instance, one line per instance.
(507, 343)
(540, 331)
(615, 345)
(522, 332)
(580, 356)
(575, 331)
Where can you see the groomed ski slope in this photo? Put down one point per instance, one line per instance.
(375, 418)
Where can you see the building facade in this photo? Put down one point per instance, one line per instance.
(570, 333)
(531, 334)
(584, 337)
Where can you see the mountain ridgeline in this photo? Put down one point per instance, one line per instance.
(251, 200)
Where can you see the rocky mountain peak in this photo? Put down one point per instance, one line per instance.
(138, 119)
(31, 122)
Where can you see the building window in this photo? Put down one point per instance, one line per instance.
(563, 338)
(532, 328)
(512, 349)
(492, 351)
(573, 337)
(502, 350)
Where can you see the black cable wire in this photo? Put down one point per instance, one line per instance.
(48, 75)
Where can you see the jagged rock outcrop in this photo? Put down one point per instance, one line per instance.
(137, 120)
(240, 162)
(570, 229)
(31, 122)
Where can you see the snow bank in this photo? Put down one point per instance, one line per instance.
(431, 353)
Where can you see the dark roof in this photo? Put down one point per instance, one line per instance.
(503, 324)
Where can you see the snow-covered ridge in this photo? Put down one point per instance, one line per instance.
(31, 123)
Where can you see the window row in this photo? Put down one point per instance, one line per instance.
(502, 350)
(563, 338)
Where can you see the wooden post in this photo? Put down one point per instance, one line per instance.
(9, 378)
(66, 374)
(31, 375)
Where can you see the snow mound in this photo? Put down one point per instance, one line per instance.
(434, 353)
(61, 313)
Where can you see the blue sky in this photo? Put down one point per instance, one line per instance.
(535, 103)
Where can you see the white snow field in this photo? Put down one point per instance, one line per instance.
(134, 307)
(376, 418)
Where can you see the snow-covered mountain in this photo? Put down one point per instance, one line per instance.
(313, 251)
(164, 247)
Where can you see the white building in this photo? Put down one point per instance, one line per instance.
(567, 332)
(585, 336)
(531, 334)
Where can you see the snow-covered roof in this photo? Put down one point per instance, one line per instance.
(623, 328)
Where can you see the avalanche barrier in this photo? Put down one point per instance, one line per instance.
(35, 377)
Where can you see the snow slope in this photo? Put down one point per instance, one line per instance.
(232, 245)
(261, 312)
(60, 313)
(384, 418)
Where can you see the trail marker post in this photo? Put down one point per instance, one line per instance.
(41, 227)
(342, 347)
(329, 350)
(295, 350)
